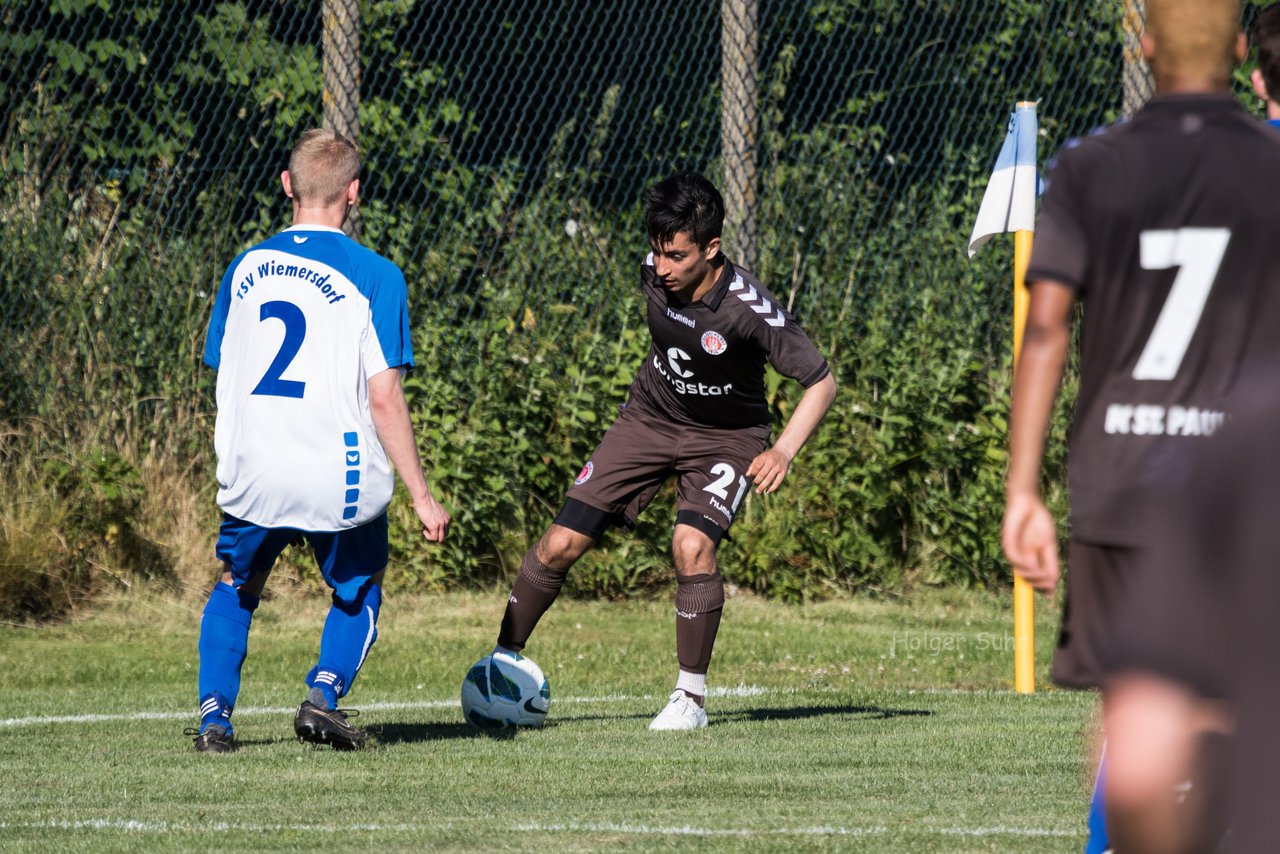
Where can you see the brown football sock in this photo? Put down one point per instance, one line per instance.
(699, 603)
(536, 587)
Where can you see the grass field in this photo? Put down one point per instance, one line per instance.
(884, 726)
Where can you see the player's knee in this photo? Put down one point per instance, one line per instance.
(693, 551)
(560, 547)
(368, 597)
(252, 587)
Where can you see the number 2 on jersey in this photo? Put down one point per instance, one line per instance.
(1197, 253)
(295, 329)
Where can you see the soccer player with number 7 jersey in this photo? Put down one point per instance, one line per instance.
(1162, 227)
(696, 412)
(309, 336)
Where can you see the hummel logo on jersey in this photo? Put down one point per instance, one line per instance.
(680, 318)
(759, 304)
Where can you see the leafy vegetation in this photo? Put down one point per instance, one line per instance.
(67, 527)
(139, 150)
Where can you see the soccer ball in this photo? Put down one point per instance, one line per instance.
(505, 689)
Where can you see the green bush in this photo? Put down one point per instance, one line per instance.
(69, 529)
(527, 322)
(518, 379)
(902, 484)
(39, 579)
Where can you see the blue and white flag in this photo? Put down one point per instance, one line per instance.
(1010, 201)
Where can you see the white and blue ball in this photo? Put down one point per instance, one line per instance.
(505, 689)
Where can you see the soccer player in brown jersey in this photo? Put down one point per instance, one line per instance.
(1161, 226)
(1199, 623)
(696, 411)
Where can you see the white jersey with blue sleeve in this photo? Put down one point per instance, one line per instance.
(301, 321)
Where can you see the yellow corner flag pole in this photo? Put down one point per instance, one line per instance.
(1024, 623)
(1009, 205)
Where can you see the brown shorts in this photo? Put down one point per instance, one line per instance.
(639, 453)
(1098, 579)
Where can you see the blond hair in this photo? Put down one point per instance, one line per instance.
(321, 167)
(1194, 39)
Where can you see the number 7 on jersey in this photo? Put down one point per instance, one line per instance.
(1198, 253)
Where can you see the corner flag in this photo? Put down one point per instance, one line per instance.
(1009, 203)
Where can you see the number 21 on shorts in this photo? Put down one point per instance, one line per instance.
(724, 474)
(1197, 253)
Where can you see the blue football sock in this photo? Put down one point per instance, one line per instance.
(214, 709)
(224, 640)
(349, 632)
(1098, 839)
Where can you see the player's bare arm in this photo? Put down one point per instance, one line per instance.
(391, 419)
(770, 468)
(1028, 535)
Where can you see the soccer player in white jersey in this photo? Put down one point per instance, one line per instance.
(310, 337)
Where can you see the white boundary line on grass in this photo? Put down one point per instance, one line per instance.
(874, 830)
(43, 720)
(733, 691)
(134, 826)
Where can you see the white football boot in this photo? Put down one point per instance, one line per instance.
(680, 713)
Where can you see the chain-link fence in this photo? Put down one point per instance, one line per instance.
(506, 145)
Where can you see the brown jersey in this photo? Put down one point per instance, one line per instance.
(705, 366)
(1164, 225)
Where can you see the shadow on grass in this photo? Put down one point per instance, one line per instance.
(793, 712)
(558, 719)
(787, 713)
(410, 733)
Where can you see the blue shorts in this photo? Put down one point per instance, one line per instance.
(347, 559)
